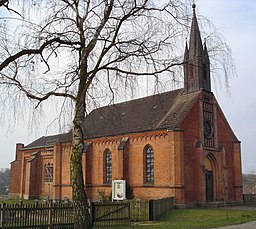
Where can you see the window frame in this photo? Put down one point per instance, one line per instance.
(108, 167)
(149, 165)
(48, 170)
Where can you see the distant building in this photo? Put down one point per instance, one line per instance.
(176, 143)
(249, 184)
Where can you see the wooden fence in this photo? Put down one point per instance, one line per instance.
(124, 212)
(249, 198)
(60, 215)
(139, 210)
(36, 216)
(157, 208)
(110, 213)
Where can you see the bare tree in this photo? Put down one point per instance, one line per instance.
(73, 48)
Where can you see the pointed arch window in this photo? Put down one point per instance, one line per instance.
(149, 165)
(48, 172)
(107, 167)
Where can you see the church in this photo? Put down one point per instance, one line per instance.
(174, 144)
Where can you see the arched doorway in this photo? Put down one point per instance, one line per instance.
(209, 177)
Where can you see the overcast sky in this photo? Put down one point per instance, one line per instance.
(236, 20)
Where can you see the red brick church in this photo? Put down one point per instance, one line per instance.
(176, 143)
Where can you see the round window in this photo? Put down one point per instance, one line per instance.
(207, 129)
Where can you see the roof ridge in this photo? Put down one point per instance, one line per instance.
(137, 99)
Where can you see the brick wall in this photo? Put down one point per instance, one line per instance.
(179, 163)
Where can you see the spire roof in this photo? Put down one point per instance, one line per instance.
(195, 41)
(196, 61)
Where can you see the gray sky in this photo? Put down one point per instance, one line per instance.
(236, 20)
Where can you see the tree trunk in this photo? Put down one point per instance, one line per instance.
(81, 207)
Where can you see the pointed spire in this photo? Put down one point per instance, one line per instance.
(186, 57)
(205, 50)
(196, 61)
(195, 42)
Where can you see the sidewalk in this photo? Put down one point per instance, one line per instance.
(249, 225)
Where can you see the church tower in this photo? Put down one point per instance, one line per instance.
(196, 61)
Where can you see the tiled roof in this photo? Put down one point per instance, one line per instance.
(161, 111)
(47, 141)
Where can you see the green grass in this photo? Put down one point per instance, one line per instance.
(197, 218)
(17, 201)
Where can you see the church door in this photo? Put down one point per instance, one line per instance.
(209, 185)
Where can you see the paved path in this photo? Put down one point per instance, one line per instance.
(249, 225)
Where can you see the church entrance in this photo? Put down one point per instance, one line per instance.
(210, 173)
(209, 185)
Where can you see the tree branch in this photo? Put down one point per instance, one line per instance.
(35, 97)
(35, 51)
(4, 2)
(141, 73)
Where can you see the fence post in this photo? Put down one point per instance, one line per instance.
(151, 211)
(129, 210)
(92, 212)
(2, 215)
(50, 216)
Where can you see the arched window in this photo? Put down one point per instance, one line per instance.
(48, 172)
(149, 165)
(107, 167)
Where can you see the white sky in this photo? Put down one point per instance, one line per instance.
(236, 20)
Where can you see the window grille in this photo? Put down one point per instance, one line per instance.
(149, 165)
(108, 167)
(48, 173)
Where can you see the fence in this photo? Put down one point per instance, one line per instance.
(159, 207)
(116, 213)
(139, 210)
(249, 198)
(60, 215)
(110, 213)
(36, 216)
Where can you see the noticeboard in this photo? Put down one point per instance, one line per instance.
(118, 190)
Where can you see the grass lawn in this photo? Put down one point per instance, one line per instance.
(197, 218)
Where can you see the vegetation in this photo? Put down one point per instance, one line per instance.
(198, 218)
(4, 181)
(249, 183)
